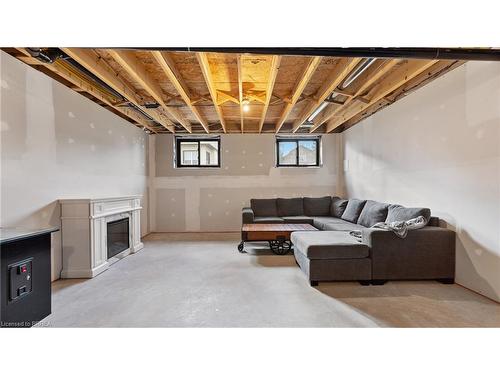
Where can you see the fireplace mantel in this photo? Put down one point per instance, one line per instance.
(84, 231)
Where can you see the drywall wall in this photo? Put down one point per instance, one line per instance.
(211, 199)
(440, 148)
(57, 144)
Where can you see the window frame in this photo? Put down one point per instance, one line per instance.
(297, 164)
(191, 139)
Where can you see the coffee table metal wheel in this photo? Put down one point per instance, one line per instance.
(280, 247)
(240, 247)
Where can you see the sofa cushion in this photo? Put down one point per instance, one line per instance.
(321, 221)
(343, 227)
(268, 220)
(290, 206)
(373, 212)
(353, 210)
(264, 207)
(400, 213)
(329, 245)
(317, 206)
(338, 206)
(333, 223)
(298, 219)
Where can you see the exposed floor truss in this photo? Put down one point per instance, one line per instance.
(207, 92)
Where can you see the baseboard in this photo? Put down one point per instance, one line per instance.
(476, 292)
(198, 231)
(84, 273)
(137, 247)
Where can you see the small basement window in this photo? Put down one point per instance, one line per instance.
(298, 151)
(197, 152)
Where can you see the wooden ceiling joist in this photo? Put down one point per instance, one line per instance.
(168, 66)
(333, 110)
(207, 75)
(257, 96)
(97, 66)
(344, 67)
(408, 70)
(273, 72)
(240, 92)
(301, 84)
(137, 70)
(284, 91)
(224, 97)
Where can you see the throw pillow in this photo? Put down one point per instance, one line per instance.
(353, 210)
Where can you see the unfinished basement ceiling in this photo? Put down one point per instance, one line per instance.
(218, 92)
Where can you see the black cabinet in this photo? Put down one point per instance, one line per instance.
(25, 284)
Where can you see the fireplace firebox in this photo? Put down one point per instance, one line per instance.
(118, 236)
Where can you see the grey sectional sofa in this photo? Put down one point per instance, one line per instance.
(333, 254)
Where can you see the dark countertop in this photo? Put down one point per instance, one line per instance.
(14, 234)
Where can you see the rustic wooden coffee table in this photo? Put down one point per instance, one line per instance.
(278, 235)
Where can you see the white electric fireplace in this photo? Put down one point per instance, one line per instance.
(98, 232)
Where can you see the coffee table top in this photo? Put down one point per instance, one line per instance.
(277, 227)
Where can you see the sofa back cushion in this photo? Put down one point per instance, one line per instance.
(400, 213)
(264, 207)
(338, 206)
(373, 212)
(353, 210)
(317, 206)
(290, 206)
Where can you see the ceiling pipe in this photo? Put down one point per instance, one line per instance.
(106, 87)
(93, 77)
(50, 55)
(45, 55)
(476, 54)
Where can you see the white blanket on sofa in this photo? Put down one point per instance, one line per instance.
(400, 228)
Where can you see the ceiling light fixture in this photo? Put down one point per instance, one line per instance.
(350, 79)
(357, 72)
(307, 124)
(245, 105)
(317, 111)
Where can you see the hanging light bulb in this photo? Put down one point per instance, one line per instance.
(245, 105)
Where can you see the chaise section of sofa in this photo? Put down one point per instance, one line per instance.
(331, 255)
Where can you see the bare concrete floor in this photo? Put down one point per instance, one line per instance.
(200, 280)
